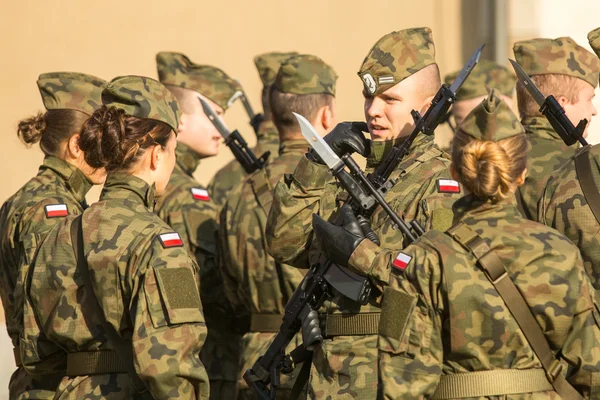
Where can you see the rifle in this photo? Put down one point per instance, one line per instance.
(236, 143)
(552, 110)
(255, 119)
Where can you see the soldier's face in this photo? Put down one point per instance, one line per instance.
(582, 108)
(198, 132)
(388, 114)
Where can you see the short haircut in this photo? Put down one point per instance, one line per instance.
(557, 85)
(266, 103)
(431, 80)
(307, 105)
(187, 99)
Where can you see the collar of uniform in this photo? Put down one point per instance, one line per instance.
(470, 206)
(76, 180)
(187, 159)
(540, 126)
(267, 130)
(380, 149)
(120, 185)
(293, 146)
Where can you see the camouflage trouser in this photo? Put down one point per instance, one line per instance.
(220, 356)
(25, 386)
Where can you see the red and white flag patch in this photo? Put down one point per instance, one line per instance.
(56, 210)
(200, 194)
(170, 240)
(448, 186)
(402, 261)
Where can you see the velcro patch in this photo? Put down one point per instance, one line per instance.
(170, 240)
(448, 186)
(179, 288)
(200, 194)
(56, 210)
(402, 261)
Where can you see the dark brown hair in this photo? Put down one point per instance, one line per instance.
(307, 105)
(114, 140)
(51, 129)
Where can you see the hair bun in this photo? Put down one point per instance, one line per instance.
(30, 130)
(101, 137)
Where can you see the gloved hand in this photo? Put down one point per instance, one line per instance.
(345, 138)
(339, 242)
(311, 328)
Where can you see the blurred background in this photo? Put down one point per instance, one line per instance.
(110, 38)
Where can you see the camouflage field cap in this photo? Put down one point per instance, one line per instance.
(557, 56)
(492, 119)
(177, 70)
(305, 74)
(395, 57)
(143, 98)
(71, 90)
(268, 64)
(486, 74)
(594, 39)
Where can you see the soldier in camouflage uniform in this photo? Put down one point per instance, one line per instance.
(266, 138)
(446, 331)
(189, 210)
(254, 282)
(58, 190)
(562, 68)
(346, 366)
(565, 207)
(144, 283)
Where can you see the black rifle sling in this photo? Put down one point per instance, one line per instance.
(583, 168)
(121, 346)
(496, 272)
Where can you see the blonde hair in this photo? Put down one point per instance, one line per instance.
(557, 85)
(486, 168)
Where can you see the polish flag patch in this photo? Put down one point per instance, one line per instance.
(402, 261)
(200, 194)
(448, 186)
(56, 210)
(170, 240)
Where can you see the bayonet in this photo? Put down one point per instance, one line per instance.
(255, 119)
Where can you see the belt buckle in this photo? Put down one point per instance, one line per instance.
(554, 371)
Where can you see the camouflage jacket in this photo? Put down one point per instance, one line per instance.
(564, 207)
(233, 174)
(548, 153)
(146, 282)
(347, 365)
(187, 208)
(432, 326)
(58, 187)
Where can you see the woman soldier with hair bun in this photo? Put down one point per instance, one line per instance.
(497, 305)
(114, 292)
(57, 190)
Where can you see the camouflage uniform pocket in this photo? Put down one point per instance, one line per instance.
(172, 296)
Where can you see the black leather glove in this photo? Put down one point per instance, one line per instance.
(339, 242)
(311, 328)
(345, 138)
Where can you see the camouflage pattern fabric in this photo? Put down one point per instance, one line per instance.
(557, 56)
(24, 225)
(268, 64)
(147, 287)
(71, 90)
(253, 282)
(564, 207)
(451, 330)
(232, 174)
(594, 39)
(305, 74)
(548, 153)
(193, 217)
(143, 97)
(346, 366)
(395, 57)
(176, 69)
(486, 74)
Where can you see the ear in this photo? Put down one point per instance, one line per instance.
(183, 121)
(326, 118)
(521, 179)
(562, 100)
(426, 104)
(156, 157)
(73, 150)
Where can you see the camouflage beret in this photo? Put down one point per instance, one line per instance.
(71, 90)
(395, 57)
(143, 98)
(486, 74)
(492, 119)
(557, 56)
(305, 74)
(594, 39)
(177, 70)
(268, 64)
